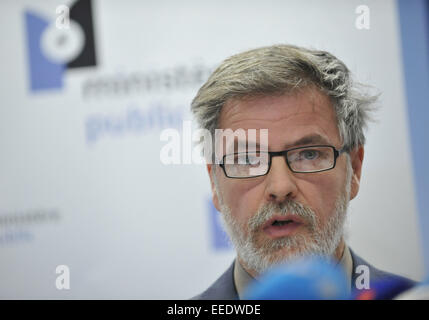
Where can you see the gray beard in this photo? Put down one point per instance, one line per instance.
(261, 254)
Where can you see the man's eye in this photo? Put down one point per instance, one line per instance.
(309, 154)
(251, 160)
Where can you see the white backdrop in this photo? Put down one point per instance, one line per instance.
(81, 182)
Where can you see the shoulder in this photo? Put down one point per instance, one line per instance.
(379, 278)
(222, 289)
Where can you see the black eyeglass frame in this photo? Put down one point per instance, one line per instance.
(283, 153)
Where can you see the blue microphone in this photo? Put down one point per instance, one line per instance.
(312, 278)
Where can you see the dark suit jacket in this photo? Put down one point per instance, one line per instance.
(224, 287)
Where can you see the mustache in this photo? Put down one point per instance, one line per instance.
(269, 210)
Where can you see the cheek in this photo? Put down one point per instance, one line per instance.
(321, 193)
(243, 198)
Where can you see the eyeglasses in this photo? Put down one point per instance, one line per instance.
(306, 159)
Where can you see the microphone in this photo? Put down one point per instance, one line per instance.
(383, 289)
(418, 292)
(312, 278)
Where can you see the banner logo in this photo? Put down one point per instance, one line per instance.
(53, 48)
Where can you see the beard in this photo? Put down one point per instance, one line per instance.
(259, 253)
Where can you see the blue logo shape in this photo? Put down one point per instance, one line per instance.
(44, 74)
(219, 238)
(52, 50)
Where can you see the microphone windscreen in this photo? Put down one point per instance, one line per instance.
(303, 279)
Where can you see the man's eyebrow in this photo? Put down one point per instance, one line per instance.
(310, 139)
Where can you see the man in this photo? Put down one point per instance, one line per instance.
(287, 199)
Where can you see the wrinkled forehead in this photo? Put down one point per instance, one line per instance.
(280, 121)
(270, 107)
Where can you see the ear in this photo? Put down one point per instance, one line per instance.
(356, 158)
(214, 193)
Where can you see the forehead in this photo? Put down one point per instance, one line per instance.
(288, 117)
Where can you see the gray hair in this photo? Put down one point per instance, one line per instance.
(280, 69)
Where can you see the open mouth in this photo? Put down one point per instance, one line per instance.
(281, 223)
(282, 226)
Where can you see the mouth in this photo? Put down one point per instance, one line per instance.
(282, 226)
(281, 223)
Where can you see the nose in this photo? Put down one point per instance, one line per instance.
(280, 181)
